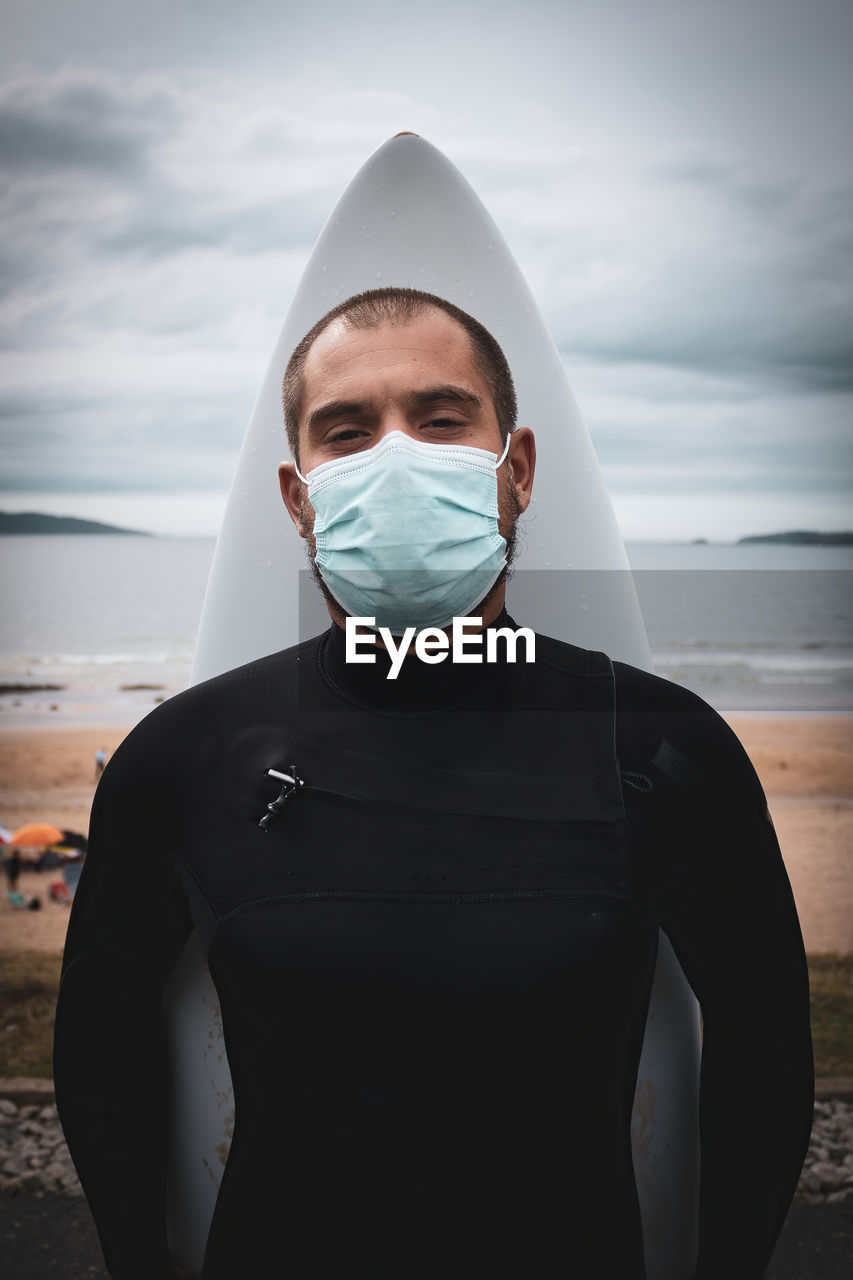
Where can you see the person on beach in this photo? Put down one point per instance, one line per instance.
(430, 903)
(100, 761)
(12, 869)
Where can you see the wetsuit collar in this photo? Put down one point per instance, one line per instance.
(419, 686)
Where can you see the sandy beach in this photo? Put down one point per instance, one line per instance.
(805, 764)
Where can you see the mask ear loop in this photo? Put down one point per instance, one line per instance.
(505, 452)
(299, 473)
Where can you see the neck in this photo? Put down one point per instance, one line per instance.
(416, 685)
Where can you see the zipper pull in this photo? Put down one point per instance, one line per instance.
(291, 784)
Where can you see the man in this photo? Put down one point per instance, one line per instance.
(430, 902)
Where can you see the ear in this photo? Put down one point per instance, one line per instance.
(289, 483)
(521, 461)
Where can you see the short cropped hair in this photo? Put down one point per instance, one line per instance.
(401, 306)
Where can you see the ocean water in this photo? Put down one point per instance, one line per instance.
(100, 615)
(753, 627)
(749, 628)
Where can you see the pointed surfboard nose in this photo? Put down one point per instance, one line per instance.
(406, 133)
(409, 217)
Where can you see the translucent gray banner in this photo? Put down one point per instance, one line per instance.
(769, 640)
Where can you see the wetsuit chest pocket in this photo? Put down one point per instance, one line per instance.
(349, 846)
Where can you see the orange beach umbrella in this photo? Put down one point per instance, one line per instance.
(36, 835)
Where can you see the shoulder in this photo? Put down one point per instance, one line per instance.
(661, 728)
(183, 728)
(275, 674)
(677, 735)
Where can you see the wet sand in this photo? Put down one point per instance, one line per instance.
(805, 764)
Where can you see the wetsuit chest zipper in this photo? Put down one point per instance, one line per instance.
(457, 899)
(299, 787)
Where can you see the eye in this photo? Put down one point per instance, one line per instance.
(442, 424)
(348, 433)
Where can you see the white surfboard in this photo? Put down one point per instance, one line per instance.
(410, 218)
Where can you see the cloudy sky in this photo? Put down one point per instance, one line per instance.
(674, 179)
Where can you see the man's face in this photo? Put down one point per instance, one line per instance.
(418, 378)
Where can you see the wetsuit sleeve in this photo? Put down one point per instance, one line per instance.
(727, 907)
(128, 924)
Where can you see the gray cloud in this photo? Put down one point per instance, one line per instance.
(690, 247)
(80, 442)
(150, 174)
(79, 122)
(162, 226)
(765, 284)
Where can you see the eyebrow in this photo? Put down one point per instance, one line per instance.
(334, 409)
(358, 408)
(431, 395)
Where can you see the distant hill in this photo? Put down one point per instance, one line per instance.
(803, 538)
(34, 522)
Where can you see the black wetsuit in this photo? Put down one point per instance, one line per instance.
(434, 968)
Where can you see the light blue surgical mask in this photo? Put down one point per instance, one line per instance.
(407, 532)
